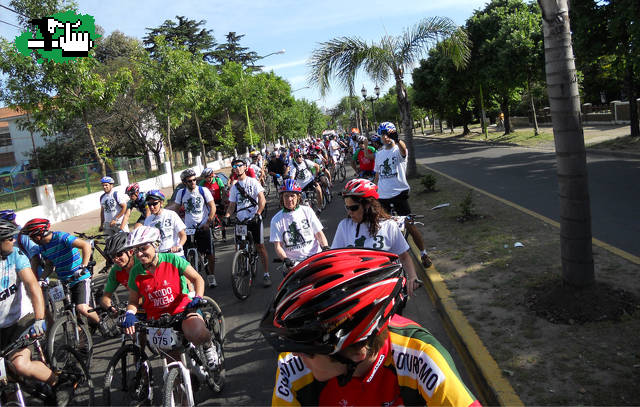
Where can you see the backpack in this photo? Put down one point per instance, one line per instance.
(180, 194)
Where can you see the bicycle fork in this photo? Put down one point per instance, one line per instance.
(186, 377)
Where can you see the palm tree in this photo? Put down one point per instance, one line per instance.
(343, 57)
(564, 100)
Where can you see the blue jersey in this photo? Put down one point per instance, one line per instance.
(29, 248)
(66, 258)
(14, 302)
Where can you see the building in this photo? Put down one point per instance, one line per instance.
(16, 145)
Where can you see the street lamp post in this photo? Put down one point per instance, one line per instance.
(246, 108)
(371, 99)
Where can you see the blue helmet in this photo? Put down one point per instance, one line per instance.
(155, 195)
(107, 180)
(8, 214)
(376, 139)
(290, 185)
(386, 128)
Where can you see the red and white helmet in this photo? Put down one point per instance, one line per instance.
(334, 299)
(132, 189)
(361, 187)
(36, 227)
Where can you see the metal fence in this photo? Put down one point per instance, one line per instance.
(73, 182)
(17, 190)
(135, 168)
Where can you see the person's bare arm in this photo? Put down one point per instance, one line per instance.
(322, 239)
(198, 282)
(262, 202)
(402, 147)
(407, 264)
(125, 219)
(231, 208)
(279, 250)
(85, 248)
(101, 218)
(119, 214)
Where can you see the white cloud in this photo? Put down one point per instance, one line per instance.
(284, 65)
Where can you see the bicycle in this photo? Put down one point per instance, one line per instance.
(94, 240)
(199, 261)
(309, 198)
(66, 363)
(129, 377)
(327, 195)
(69, 328)
(244, 265)
(337, 170)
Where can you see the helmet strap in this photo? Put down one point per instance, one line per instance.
(351, 368)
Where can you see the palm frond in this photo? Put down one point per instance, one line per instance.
(340, 58)
(417, 39)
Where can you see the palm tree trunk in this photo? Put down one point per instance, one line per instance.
(564, 100)
(407, 124)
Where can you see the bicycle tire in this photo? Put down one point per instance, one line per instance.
(192, 258)
(61, 333)
(217, 377)
(174, 385)
(342, 173)
(215, 321)
(241, 279)
(71, 366)
(135, 387)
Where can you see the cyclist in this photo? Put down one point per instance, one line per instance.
(391, 177)
(334, 150)
(247, 199)
(296, 231)
(233, 178)
(70, 257)
(215, 185)
(21, 309)
(28, 247)
(115, 248)
(351, 349)
(368, 225)
(171, 227)
(303, 171)
(277, 168)
(257, 166)
(199, 213)
(364, 159)
(112, 208)
(157, 281)
(138, 201)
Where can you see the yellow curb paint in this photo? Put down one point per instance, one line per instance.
(626, 255)
(483, 369)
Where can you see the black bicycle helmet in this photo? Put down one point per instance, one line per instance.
(7, 229)
(188, 173)
(115, 244)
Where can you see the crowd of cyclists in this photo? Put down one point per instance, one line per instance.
(335, 316)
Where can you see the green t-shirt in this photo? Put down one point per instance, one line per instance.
(117, 275)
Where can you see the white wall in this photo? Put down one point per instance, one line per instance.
(21, 140)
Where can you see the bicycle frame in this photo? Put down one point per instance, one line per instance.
(184, 372)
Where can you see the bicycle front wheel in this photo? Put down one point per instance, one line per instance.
(64, 331)
(241, 279)
(214, 319)
(128, 380)
(74, 371)
(175, 391)
(342, 173)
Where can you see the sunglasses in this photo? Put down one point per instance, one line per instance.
(190, 180)
(237, 165)
(352, 208)
(8, 239)
(151, 204)
(141, 249)
(119, 254)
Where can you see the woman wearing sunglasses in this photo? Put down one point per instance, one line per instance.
(368, 225)
(171, 227)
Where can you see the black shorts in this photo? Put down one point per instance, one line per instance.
(400, 203)
(204, 241)
(11, 333)
(81, 292)
(310, 186)
(256, 231)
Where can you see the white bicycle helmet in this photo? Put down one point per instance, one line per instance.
(141, 236)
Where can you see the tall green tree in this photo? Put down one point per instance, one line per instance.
(232, 51)
(391, 55)
(564, 101)
(187, 33)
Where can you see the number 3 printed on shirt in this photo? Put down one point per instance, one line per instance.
(379, 242)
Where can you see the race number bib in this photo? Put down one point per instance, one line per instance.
(162, 338)
(56, 293)
(241, 230)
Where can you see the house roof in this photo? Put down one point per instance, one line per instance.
(7, 112)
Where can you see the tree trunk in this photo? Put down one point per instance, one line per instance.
(633, 103)
(504, 105)
(407, 124)
(483, 115)
(464, 110)
(173, 182)
(536, 130)
(564, 101)
(103, 168)
(203, 151)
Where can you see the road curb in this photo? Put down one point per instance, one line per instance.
(483, 369)
(619, 252)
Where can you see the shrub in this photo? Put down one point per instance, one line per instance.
(429, 182)
(467, 208)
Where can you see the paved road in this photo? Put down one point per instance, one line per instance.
(528, 178)
(250, 362)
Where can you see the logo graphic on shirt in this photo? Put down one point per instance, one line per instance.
(293, 236)
(387, 170)
(162, 297)
(359, 242)
(158, 225)
(194, 205)
(109, 204)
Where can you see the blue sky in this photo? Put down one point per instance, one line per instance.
(297, 26)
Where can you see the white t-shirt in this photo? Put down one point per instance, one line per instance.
(14, 301)
(244, 208)
(391, 168)
(196, 210)
(301, 172)
(111, 205)
(334, 148)
(169, 224)
(296, 231)
(257, 169)
(388, 237)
